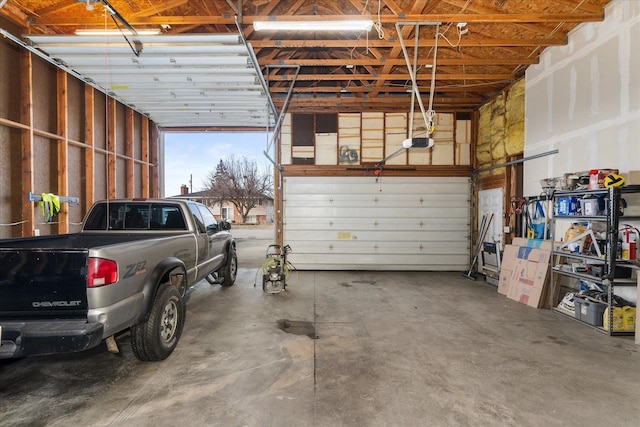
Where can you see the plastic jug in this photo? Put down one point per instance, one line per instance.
(629, 318)
(617, 321)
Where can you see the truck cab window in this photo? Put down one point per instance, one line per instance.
(210, 222)
(197, 217)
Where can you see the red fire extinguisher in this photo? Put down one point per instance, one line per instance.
(630, 236)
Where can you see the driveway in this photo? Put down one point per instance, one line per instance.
(252, 243)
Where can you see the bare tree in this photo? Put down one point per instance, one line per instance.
(218, 185)
(240, 182)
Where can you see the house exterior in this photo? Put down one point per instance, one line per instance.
(261, 214)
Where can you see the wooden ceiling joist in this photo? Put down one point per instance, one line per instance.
(345, 70)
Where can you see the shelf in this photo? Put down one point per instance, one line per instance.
(579, 276)
(578, 256)
(571, 315)
(581, 217)
(625, 282)
(565, 312)
(612, 220)
(580, 193)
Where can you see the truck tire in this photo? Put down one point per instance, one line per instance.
(156, 337)
(230, 269)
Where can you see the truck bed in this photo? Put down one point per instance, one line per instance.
(83, 240)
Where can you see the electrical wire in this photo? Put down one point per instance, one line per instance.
(378, 25)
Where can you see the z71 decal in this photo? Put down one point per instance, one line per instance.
(134, 269)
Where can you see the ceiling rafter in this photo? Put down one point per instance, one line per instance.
(504, 38)
(163, 7)
(449, 17)
(469, 42)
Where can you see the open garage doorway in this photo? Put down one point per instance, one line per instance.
(193, 160)
(190, 156)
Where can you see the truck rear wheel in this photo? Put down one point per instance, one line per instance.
(230, 269)
(157, 337)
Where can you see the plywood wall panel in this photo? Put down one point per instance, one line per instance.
(100, 175)
(75, 105)
(75, 186)
(349, 126)
(303, 152)
(463, 131)
(44, 99)
(326, 148)
(395, 132)
(285, 141)
(372, 137)
(10, 81)
(121, 178)
(442, 153)
(137, 188)
(99, 128)
(443, 132)
(121, 129)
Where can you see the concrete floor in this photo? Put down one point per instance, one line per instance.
(343, 349)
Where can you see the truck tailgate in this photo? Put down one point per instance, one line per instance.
(41, 284)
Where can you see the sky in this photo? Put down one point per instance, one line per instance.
(191, 156)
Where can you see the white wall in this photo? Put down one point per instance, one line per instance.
(584, 100)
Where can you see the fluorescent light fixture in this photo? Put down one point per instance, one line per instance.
(151, 32)
(352, 25)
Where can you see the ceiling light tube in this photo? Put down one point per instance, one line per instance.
(352, 25)
(96, 32)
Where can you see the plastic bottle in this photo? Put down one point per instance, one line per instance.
(617, 321)
(629, 318)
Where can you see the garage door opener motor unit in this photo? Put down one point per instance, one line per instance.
(275, 269)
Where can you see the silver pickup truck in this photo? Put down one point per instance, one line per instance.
(128, 268)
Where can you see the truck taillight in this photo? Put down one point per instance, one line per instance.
(101, 272)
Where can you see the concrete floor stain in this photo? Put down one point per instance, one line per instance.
(365, 282)
(298, 327)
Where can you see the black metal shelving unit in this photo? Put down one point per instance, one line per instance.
(609, 260)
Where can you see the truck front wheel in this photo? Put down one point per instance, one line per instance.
(230, 269)
(156, 337)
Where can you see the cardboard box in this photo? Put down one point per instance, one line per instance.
(524, 278)
(509, 256)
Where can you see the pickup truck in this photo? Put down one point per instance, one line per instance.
(127, 269)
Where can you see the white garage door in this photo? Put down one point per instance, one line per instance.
(356, 223)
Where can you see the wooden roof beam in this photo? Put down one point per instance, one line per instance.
(389, 19)
(395, 62)
(336, 43)
(391, 89)
(403, 76)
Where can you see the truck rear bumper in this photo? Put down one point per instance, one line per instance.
(20, 339)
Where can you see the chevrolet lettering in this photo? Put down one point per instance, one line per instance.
(56, 303)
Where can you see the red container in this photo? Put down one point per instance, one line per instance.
(597, 176)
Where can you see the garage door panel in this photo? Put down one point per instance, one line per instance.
(367, 186)
(427, 201)
(384, 237)
(414, 223)
(333, 225)
(388, 262)
(382, 214)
